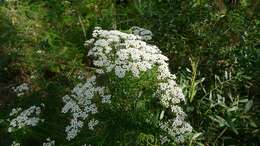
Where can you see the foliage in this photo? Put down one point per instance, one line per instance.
(212, 46)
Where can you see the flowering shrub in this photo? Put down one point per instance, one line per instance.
(214, 51)
(133, 79)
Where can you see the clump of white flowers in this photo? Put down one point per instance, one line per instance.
(92, 123)
(21, 89)
(27, 117)
(145, 34)
(80, 104)
(49, 142)
(121, 54)
(15, 144)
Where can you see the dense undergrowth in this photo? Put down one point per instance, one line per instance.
(212, 46)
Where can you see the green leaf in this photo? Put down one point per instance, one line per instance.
(232, 109)
(248, 105)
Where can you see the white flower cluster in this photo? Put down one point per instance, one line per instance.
(15, 144)
(145, 34)
(21, 89)
(49, 142)
(28, 117)
(92, 123)
(176, 128)
(80, 104)
(118, 52)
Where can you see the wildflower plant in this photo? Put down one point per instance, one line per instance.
(132, 88)
(127, 94)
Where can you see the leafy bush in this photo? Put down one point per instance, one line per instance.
(212, 46)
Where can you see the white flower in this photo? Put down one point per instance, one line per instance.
(145, 34)
(92, 123)
(80, 105)
(106, 99)
(164, 139)
(120, 72)
(21, 89)
(101, 43)
(49, 142)
(15, 144)
(28, 117)
(89, 42)
(39, 51)
(176, 128)
(15, 111)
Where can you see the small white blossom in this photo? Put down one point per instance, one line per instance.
(164, 139)
(15, 144)
(106, 99)
(40, 52)
(176, 128)
(21, 89)
(92, 123)
(49, 142)
(145, 34)
(28, 117)
(89, 42)
(15, 111)
(80, 104)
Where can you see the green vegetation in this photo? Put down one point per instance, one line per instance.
(213, 47)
